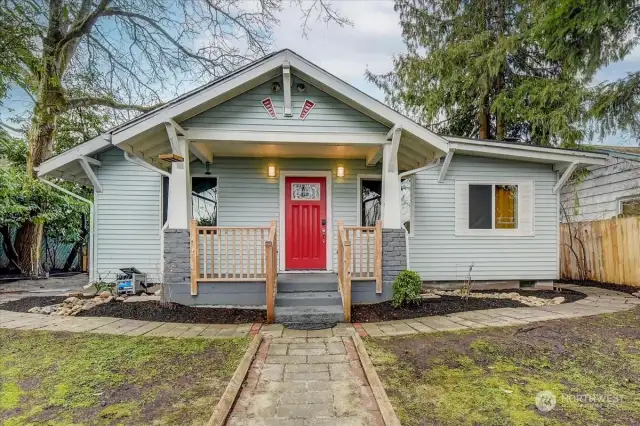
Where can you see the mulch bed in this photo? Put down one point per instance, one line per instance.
(26, 303)
(607, 286)
(569, 295)
(450, 304)
(150, 311)
(174, 312)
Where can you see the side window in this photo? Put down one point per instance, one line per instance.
(630, 207)
(165, 199)
(204, 200)
(406, 194)
(370, 201)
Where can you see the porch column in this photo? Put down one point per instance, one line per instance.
(179, 210)
(391, 197)
(176, 253)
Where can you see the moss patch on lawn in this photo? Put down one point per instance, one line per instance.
(77, 378)
(492, 376)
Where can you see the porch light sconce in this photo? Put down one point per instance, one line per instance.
(340, 171)
(207, 168)
(271, 171)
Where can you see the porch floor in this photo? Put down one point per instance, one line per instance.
(308, 300)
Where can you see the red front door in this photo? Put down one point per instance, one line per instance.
(305, 223)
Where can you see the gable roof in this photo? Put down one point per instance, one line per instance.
(150, 126)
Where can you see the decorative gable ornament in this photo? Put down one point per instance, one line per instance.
(268, 105)
(306, 109)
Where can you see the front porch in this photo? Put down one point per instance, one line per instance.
(239, 266)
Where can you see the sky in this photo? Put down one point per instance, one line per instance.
(373, 40)
(369, 44)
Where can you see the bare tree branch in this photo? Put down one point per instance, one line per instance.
(108, 102)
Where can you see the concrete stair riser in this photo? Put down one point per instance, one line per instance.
(308, 298)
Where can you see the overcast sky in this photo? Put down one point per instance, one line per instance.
(371, 43)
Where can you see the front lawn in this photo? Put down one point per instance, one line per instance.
(492, 376)
(78, 378)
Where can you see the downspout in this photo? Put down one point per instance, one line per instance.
(92, 224)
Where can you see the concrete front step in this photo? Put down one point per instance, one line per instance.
(308, 298)
(309, 314)
(307, 282)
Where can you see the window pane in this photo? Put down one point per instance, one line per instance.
(165, 199)
(370, 199)
(405, 194)
(479, 206)
(506, 206)
(631, 207)
(204, 200)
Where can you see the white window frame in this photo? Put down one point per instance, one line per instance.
(212, 176)
(623, 199)
(496, 232)
(361, 177)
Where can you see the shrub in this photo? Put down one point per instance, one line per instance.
(406, 288)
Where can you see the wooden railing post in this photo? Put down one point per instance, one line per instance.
(271, 272)
(346, 292)
(194, 251)
(377, 265)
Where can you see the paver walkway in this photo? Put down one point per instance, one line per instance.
(598, 301)
(306, 381)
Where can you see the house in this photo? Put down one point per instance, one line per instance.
(604, 191)
(231, 192)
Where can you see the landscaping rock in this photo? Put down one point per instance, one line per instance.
(76, 294)
(557, 301)
(71, 300)
(430, 296)
(636, 294)
(35, 310)
(526, 300)
(120, 298)
(46, 310)
(105, 294)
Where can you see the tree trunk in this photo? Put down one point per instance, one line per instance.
(499, 126)
(9, 248)
(483, 120)
(49, 104)
(500, 79)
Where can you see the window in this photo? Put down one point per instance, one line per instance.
(406, 199)
(165, 199)
(630, 207)
(370, 199)
(493, 206)
(204, 200)
(492, 209)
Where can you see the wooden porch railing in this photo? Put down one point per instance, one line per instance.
(224, 254)
(366, 245)
(344, 270)
(271, 249)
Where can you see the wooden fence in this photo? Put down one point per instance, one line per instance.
(603, 250)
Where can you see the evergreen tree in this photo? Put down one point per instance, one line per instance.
(476, 68)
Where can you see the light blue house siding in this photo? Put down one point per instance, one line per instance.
(128, 218)
(248, 197)
(436, 253)
(245, 112)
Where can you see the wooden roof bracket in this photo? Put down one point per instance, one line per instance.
(445, 165)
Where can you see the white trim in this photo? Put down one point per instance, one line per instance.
(373, 156)
(360, 177)
(91, 175)
(329, 206)
(497, 232)
(412, 209)
(202, 134)
(286, 87)
(565, 177)
(620, 200)
(201, 152)
(85, 149)
(507, 150)
(431, 165)
(445, 166)
(137, 161)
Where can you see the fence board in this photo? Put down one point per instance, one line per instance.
(603, 250)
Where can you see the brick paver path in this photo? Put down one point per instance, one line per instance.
(306, 381)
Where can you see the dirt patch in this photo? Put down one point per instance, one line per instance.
(173, 312)
(607, 286)
(492, 376)
(449, 305)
